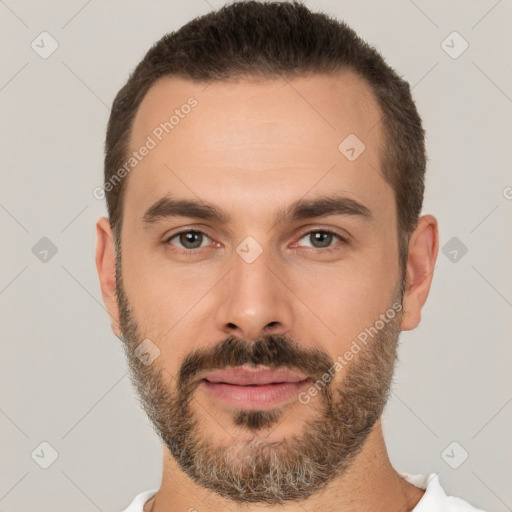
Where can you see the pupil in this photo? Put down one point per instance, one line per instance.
(322, 237)
(191, 238)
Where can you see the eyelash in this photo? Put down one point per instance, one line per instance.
(192, 252)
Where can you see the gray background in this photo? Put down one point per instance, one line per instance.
(63, 374)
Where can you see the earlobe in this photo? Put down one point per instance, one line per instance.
(423, 249)
(106, 266)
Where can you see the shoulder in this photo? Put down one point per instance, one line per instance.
(137, 503)
(435, 499)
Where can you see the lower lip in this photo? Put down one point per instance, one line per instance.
(254, 397)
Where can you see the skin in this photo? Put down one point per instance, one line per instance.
(253, 148)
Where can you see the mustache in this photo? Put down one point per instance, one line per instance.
(273, 351)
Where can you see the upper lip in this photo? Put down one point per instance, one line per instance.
(244, 376)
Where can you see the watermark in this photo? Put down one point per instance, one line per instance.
(354, 349)
(351, 147)
(44, 45)
(157, 135)
(146, 352)
(249, 249)
(454, 249)
(454, 455)
(44, 249)
(454, 45)
(44, 455)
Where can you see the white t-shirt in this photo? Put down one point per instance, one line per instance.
(434, 499)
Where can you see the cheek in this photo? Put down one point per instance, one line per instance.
(162, 316)
(165, 299)
(346, 298)
(149, 295)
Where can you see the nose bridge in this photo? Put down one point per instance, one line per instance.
(253, 300)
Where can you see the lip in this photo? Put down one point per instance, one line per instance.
(265, 396)
(250, 388)
(245, 376)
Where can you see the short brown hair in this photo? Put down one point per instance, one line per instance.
(272, 39)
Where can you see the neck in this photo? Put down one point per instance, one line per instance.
(370, 484)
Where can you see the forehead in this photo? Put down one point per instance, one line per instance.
(257, 139)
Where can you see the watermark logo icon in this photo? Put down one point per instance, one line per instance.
(454, 45)
(44, 45)
(249, 249)
(44, 455)
(146, 351)
(351, 147)
(454, 455)
(454, 250)
(44, 250)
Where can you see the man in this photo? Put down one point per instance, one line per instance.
(264, 177)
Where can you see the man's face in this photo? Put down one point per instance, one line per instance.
(273, 284)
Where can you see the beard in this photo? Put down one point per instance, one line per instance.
(253, 470)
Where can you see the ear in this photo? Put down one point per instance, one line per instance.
(423, 248)
(106, 265)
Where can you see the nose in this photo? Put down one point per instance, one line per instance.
(253, 302)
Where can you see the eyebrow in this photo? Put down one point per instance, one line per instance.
(169, 207)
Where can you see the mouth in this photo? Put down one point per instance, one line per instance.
(254, 388)
(248, 376)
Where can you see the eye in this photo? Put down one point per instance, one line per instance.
(322, 238)
(189, 240)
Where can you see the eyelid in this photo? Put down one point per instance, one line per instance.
(313, 228)
(343, 239)
(168, 238)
